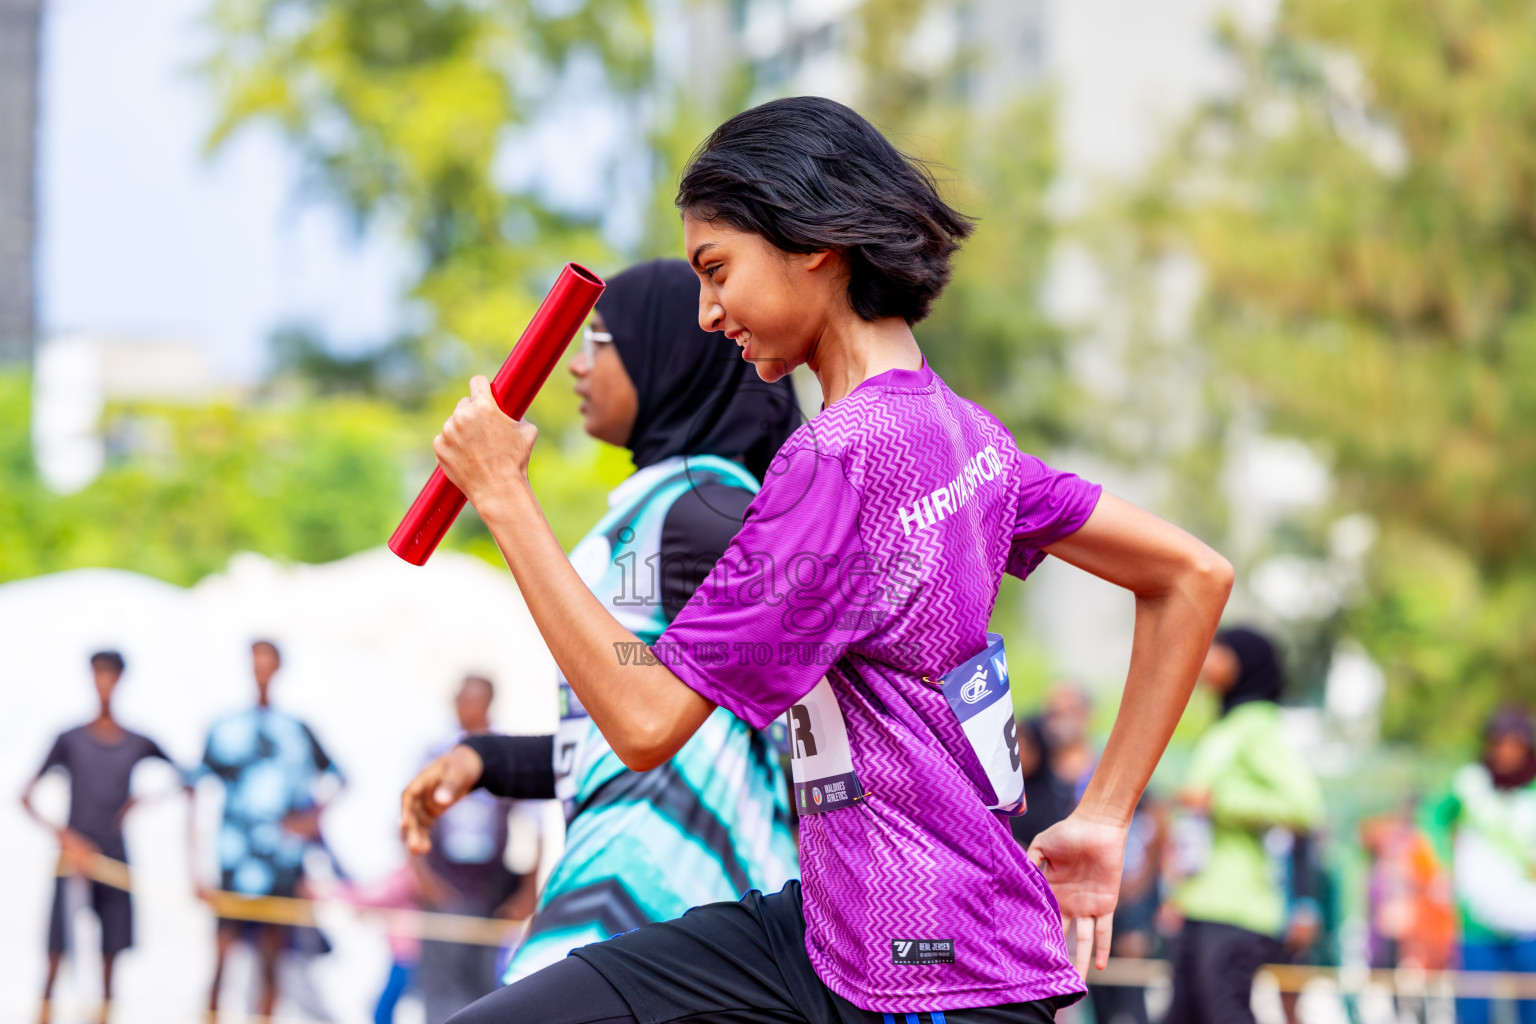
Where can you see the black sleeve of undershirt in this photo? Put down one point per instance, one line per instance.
(517, 767)
(695, 533)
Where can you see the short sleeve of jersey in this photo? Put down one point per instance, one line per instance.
(767, 623)
(322, 760)
(57, 757)
(1052, 505)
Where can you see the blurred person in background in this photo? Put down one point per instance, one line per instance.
(410, 887)
(305, 945)
(1047, 797)
(714, 821)
(1244, 779)
(1051, 794)
(277, 781)
(467, 873)
(1410, 911)
(1057, 758)
(1068, 710)
(1135, 916)
(1484, 825)
(1410, 906)
(99, 758)
(1311, 918)
(303, 995)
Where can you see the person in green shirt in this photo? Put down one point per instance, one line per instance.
(1244, 779)
(1484, 826)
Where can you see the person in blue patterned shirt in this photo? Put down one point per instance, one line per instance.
(270, 766)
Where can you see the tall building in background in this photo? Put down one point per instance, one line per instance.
(808, 46)
(1009, 38)
(19, 24)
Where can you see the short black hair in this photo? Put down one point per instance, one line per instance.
(269, 645)
(109, 659)
(490, 687)
(808, 174)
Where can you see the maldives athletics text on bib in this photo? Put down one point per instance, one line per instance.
(977, 691)
(821, 763)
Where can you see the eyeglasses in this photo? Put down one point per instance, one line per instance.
(590, 339)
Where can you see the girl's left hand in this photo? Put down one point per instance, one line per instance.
(1082, 859)
(481, 448)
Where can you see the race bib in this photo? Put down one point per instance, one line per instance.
(821, 763)
(977, 692)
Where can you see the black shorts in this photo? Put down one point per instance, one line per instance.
(113, 908)
(733, 963)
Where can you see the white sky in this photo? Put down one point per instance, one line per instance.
(141, 235)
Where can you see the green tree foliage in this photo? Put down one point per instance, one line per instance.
(989, 336)
(401, 107)
(312, 483)
(1363, 209)
(404, 113)
(26, 530)
(401, 110)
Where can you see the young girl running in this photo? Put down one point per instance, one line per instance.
(855, 599)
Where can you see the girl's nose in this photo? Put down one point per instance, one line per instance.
(711, 314)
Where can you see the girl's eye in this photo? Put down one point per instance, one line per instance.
(709, 271)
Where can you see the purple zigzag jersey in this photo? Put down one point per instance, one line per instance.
(872, 558)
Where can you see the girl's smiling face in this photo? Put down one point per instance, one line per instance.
(773, 304)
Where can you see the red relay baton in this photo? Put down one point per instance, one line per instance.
(543, 342)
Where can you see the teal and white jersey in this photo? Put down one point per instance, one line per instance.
(714, 821)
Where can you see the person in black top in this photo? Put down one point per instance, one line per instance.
(99, 757)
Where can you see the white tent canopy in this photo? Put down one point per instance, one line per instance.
(373, 649)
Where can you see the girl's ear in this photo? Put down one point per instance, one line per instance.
(814, 260)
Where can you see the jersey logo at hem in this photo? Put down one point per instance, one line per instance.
(922, 951)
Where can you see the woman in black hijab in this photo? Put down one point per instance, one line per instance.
(680, 399)
(692, 392)
(702, 429)
(1244, 667)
